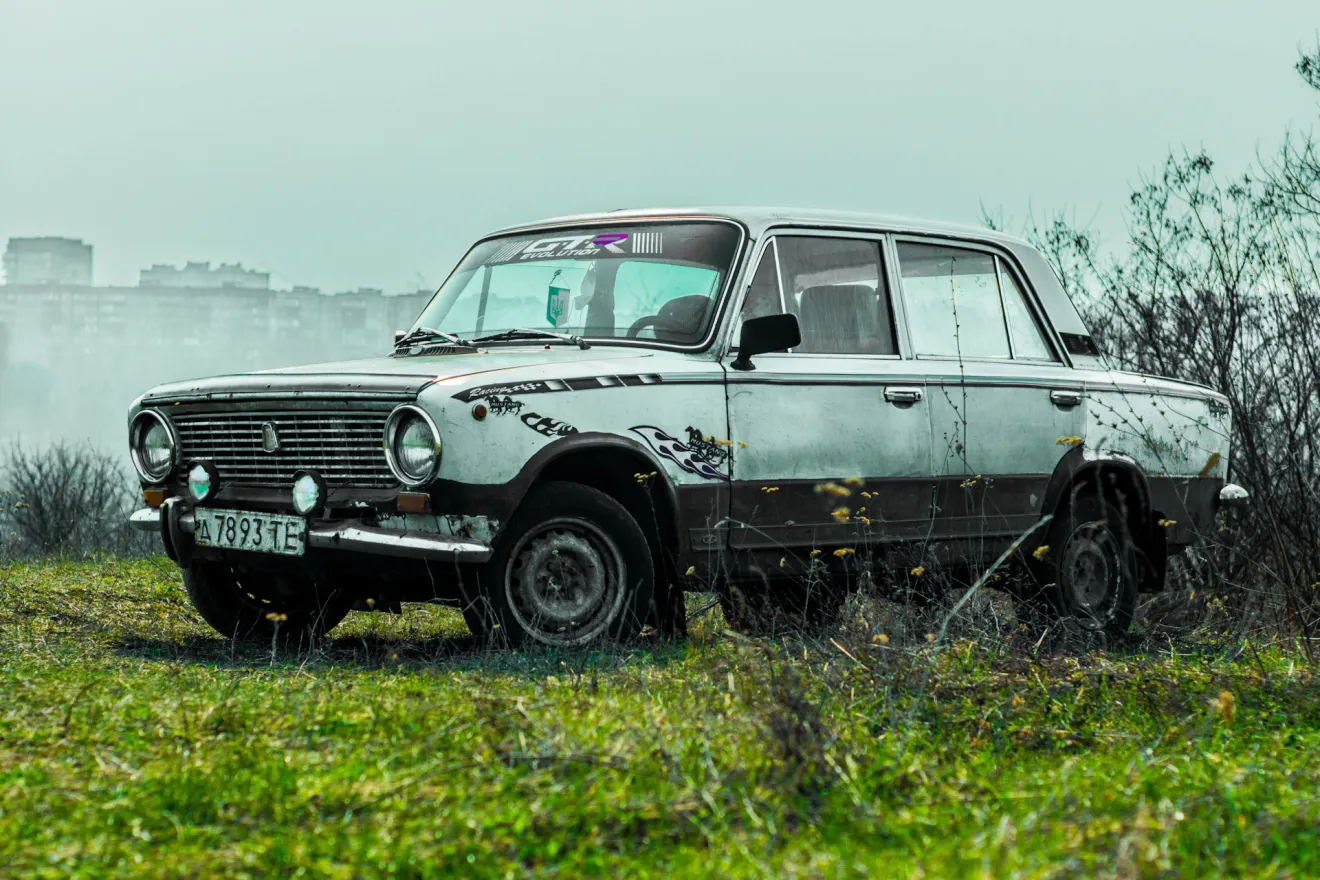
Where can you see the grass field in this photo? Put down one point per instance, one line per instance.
(135, 742)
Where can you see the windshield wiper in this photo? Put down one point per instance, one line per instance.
(524, 333)
(426, 334)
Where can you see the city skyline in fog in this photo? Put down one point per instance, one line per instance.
(343, 146)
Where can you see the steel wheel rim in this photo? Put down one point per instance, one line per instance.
(565, 582)
(1091, 573)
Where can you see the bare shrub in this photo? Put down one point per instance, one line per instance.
(1219, 283)
(65, 500)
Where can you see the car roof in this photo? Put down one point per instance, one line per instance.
(758, 218)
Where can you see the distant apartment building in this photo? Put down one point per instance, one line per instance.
(48, 260)
(198, 274)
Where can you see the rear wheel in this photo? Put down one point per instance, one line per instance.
(572, 568)
(260, 606)
(1089, 569)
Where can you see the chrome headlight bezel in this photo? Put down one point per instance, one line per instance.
(142, 423)
(399, 418)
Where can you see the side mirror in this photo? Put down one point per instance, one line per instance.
(398, 336)
(765, 334)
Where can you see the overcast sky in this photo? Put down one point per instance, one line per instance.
(365, 144)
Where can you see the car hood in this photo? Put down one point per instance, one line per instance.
(403, 377)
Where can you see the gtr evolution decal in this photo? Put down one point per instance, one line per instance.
(587, 383)
(598, 244)
(700, 461)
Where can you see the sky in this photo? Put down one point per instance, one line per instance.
(343, 145)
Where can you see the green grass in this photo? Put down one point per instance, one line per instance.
(135, 742)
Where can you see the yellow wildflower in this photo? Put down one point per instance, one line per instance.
(742, 444)
(692, 569)
(768, 489)
(728, 443)
(918, 571)
(1166, 523)
(1068, 441)
(854, 481)
(815, 552)
(840, 514)
(843, 551)
(1040, 551)
(880, 639)
(832, 488)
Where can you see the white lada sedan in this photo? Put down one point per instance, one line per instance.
(596, 413)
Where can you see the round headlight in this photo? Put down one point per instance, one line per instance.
(152, 446)
(202, 480)
(308, 493)
(412, 445)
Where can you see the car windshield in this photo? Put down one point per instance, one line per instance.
(642, 281)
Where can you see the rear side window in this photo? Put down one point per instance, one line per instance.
(953, 303)
(835, 287)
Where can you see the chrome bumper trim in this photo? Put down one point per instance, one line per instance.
(353, 536)
(391, 542)
(145, 520)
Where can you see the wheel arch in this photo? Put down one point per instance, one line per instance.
(1122, 481)
(620, 467)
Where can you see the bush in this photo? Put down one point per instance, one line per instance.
(1219, 283)
(66, 500)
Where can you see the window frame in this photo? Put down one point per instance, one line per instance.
(1002, 263)
(768, 242)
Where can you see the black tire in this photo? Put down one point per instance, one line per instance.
(1088, 573)
(780, 606)
(261, 607)
(572, 568)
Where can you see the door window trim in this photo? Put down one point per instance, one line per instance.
(768, 241)
(1000, 258)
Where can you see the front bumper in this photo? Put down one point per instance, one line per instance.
(353, 536)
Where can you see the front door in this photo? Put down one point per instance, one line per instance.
(831, 441)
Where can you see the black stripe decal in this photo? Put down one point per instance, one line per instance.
(584, 383)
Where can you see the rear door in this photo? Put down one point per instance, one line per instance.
(1002, 402)
(841, 408)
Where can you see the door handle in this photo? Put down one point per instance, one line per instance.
(1065, 399)
(903, 396)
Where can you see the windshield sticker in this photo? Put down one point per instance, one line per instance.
(694, 461)
(563, 246)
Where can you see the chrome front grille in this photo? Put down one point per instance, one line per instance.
(346, 448)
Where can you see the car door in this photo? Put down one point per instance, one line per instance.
(1002, 402)
(832, 439)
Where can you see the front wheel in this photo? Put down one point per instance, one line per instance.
(1089, 565)
(571, 568)
(261, 607)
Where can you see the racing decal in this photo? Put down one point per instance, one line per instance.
(695, 461)
(503, 406)
(542, 386)
(706, 449)
(547, 426)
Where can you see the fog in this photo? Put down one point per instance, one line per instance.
(342, 146)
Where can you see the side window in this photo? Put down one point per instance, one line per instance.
(953, 304)
(836, 287)
(1028, 340)
(763, 295)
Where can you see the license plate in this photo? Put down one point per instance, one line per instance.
(258, 532)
